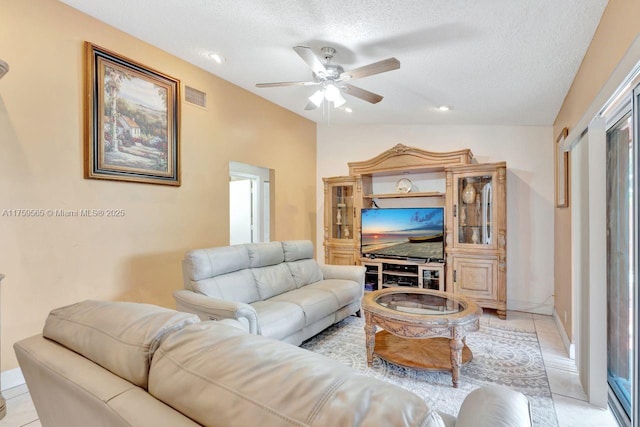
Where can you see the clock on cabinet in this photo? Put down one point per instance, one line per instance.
(404, 185)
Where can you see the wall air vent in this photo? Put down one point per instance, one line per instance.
(195, 96)
(4, 68)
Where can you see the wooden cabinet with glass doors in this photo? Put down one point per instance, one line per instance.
(476, 230)
(343, 201)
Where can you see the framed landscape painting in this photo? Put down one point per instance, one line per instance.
(132, 120)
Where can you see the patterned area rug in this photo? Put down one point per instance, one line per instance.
(500, 356)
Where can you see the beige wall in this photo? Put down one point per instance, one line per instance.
(49, 262)
(616, 31)
(530, 196)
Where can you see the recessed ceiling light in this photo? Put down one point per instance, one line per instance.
(217, 57)
(444, 108)
(348, 110)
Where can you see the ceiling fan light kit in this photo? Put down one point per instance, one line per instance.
(339, 102)
(332, 77)
(330, 93)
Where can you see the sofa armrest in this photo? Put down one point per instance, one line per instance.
(346, 272)
(494, 406)
(209, 308)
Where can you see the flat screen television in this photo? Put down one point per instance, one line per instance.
(401, 233)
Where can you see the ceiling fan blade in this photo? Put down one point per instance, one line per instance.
(311, 59)
(310, 106)
(365, 95)
(371, 69)
(278, 84)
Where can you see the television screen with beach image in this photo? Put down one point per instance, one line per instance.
(403, 233)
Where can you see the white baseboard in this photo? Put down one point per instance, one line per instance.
(11, 378)
(529, 307)
(568, 345)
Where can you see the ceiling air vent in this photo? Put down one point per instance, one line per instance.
(195, 96)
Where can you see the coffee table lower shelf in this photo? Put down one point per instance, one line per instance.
(431, 354)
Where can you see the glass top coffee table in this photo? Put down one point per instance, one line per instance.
(408, 316)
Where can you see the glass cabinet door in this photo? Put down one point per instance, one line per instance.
(475, 210)
(342, 201)
(343, 212)
(431, 279)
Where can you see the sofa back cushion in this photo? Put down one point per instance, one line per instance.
(295, 250)
(298, 255)
(122, 337)
(220, 376)
(200, 264)
(265, 254)
(273, 280)
(305, 272)
(239, 286)
(221, 273)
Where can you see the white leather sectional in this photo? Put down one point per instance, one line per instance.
(118, 364)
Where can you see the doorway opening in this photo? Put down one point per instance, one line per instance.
(249, 203)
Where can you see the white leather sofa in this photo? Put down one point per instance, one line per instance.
(106, 364)
(276, 289)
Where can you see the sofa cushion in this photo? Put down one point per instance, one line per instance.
(278, 319)
(345, 291)
(316, 303)
(220, 376)
(273, 280)
(295, 250)
(119, 336)
(265, 254)
(239, 286)
(304, 271)
(204, 263)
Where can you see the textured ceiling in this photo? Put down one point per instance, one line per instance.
(496, 62)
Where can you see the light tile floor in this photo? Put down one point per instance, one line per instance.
(20, 409)
(568, 396)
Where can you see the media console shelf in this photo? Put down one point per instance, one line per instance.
(384, 273)
(405, 195)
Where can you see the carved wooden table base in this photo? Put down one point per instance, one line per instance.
(428, 342)
(434, 354)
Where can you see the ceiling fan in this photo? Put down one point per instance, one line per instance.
(333, 78)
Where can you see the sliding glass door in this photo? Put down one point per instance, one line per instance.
(621, 289)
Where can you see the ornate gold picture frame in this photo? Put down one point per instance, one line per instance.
(132, 120)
